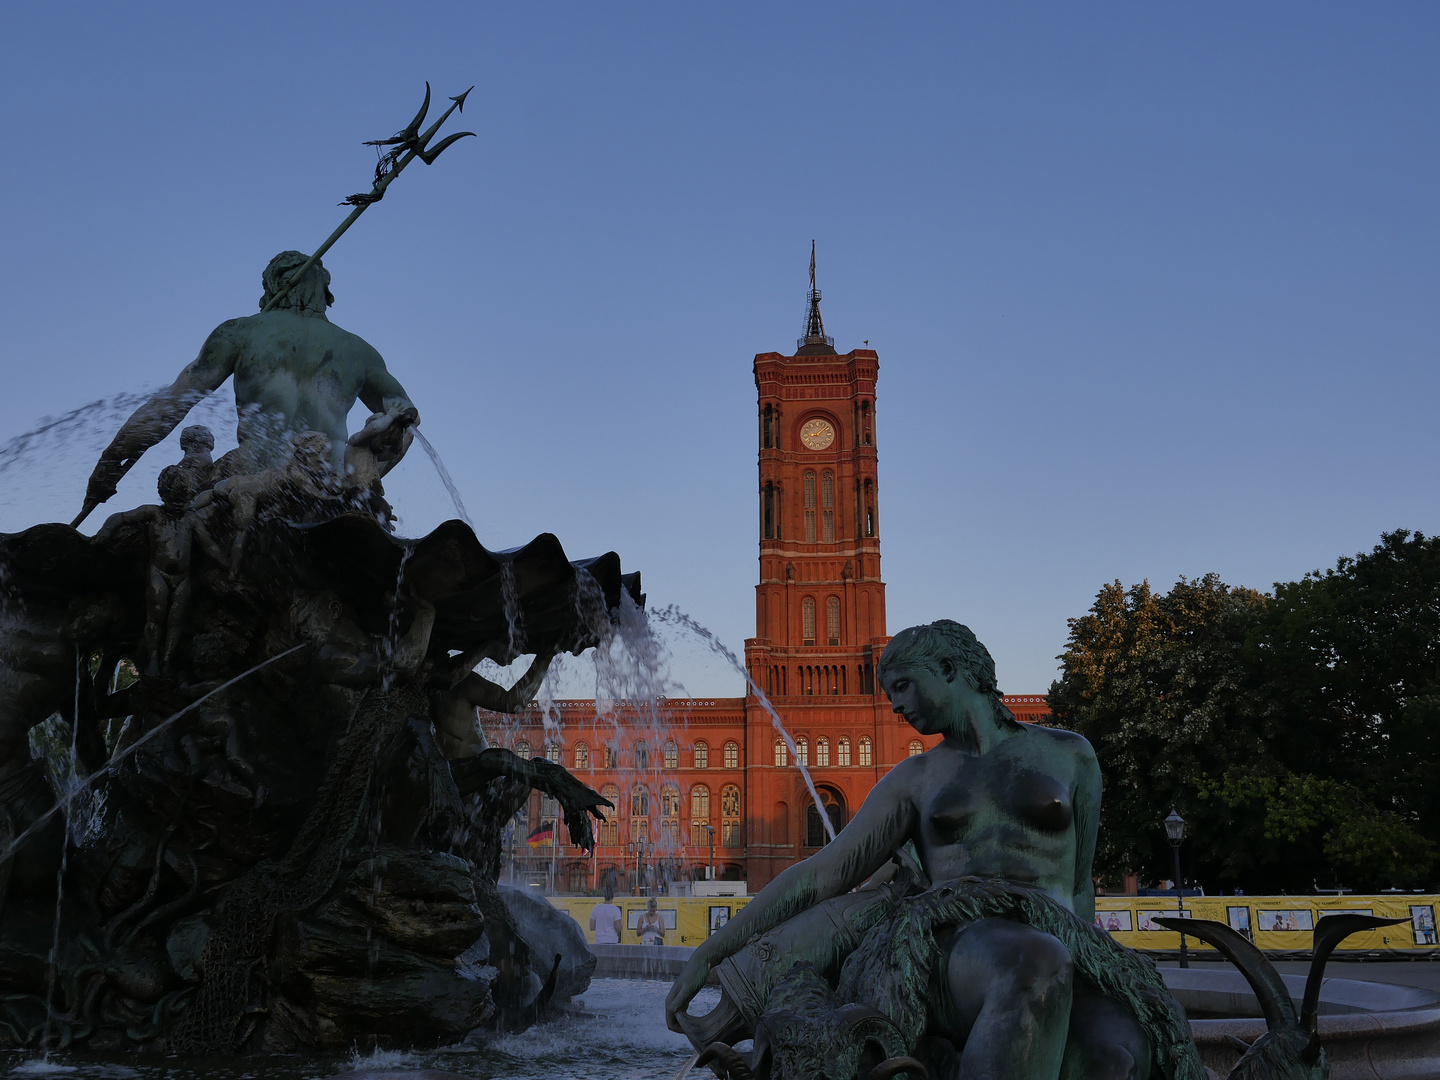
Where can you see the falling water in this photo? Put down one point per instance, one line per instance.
(444, 473)
(514, 617)
(673, 616)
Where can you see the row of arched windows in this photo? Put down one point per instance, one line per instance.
(863, 754)
(832, 620)
(826, 531)
(673, 830)
(670, 754)
(818, 508)
(816, 679)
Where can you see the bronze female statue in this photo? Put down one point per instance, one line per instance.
(981, 948)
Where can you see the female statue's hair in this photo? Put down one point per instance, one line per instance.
(928, 644)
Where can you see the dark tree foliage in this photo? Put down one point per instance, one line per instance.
(1298, 734)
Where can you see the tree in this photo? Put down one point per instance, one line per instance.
(1158, 684)
(1298, 734)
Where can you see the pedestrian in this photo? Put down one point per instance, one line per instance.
(605, 919)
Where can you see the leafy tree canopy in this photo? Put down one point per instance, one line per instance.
(1296, 732)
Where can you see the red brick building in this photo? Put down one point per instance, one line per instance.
(721, 772)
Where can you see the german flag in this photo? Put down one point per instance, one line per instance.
(544, 836)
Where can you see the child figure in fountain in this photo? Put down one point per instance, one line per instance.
(304, 486)
(173, 528)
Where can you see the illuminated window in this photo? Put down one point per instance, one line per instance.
(732, 755)
(672, 755)
(702, 755)
(610, 827)
(842, 752)
(699, 805)
(802, 751)
(832, 619)
(782, 755)
(916, 748)
(822, 752)
(827, 505)
(809, 507)
(522, 749)
(864, 751)
(582, 755)
(807, 620)
(552, 751)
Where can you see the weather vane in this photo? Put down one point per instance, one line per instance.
(407, 144)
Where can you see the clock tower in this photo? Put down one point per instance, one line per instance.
(820, 603)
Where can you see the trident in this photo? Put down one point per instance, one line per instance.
(408, 144)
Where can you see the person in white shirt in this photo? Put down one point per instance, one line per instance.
(605, 919)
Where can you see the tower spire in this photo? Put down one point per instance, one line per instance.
(815, 339)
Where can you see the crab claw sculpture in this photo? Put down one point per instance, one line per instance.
(1290, 1049)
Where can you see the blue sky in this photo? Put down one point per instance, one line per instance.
(1153, 286)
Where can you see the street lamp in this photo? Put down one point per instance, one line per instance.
(1175, 832)
(711, 830)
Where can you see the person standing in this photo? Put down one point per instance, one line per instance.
(605, 919)
(652, 926)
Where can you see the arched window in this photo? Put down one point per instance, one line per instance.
(672, 755)
(767, 511)
(842, 752)
(867, 438)
(610, 827)
(552, 751)
(522, 749)
(822, 752)
(869, 508)
(864, 751)
(730, 817)
(702, 755)
(832, 620)
(642, 756)
(582, 755)
(732, 755)
(782, 754)
(827, 505)
(639, 815)
(916, 748)
(670, 815)
(809, 489)
(699, 806)
(609, 756)
(767, 428)
(802, 751)
(814, 830)
(807, 620)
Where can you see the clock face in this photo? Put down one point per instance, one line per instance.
(817, 434)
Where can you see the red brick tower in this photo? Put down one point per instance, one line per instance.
(820, 604)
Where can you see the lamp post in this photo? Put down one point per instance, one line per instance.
(1175, 832)
(711, 830)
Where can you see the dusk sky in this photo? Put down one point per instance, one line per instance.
(1154, 287)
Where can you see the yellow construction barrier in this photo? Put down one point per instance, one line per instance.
(1277, 924)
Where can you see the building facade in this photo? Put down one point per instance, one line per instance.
(719, 786)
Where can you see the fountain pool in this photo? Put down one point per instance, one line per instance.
(620, 1035)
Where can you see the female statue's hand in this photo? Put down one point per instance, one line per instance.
(685, 987)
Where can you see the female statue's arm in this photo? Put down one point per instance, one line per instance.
(884, 821)
(1086, 801)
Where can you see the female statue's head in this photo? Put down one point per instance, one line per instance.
(934, 647)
